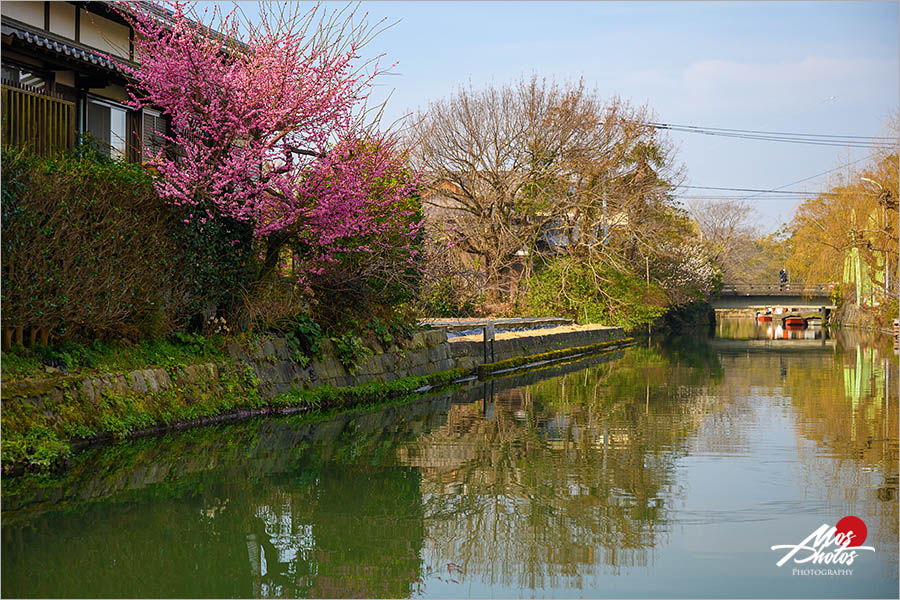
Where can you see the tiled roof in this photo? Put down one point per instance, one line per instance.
(42, 41)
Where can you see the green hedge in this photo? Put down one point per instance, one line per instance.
(90, 251)
(86, 247)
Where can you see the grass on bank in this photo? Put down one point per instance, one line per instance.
(33, 440)
(327, 396)
(179, 350)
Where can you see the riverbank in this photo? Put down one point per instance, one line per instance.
(850, 315)
(173, 458)
(45, 420)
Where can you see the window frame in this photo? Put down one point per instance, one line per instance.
(163, 143)
(112, 105)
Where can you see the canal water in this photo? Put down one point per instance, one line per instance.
(668, 469)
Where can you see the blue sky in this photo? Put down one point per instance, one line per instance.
(809, 67)
(749, 65)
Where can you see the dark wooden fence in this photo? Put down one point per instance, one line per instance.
(30, 118)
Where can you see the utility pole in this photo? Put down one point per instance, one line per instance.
(647, 263)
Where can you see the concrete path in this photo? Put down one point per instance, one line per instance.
(475, 326)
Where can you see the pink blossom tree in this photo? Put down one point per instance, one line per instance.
(266, 128)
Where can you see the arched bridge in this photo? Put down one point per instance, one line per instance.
(767, 295)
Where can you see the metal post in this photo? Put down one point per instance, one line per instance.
(488, 337)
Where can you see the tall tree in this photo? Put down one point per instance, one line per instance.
(848, 234)
(266, 119)
(727, 230)
(535, 168)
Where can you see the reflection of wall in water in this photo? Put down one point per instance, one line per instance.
(329, 540)
(315, 532)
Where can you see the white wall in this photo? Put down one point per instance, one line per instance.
(27, 12)
(111, 92)
(62, 19)
(103, 34)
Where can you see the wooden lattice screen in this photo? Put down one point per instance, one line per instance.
(44, 123)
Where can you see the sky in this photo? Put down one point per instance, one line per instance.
(805, 67)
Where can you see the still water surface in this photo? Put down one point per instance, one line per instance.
(668, 469)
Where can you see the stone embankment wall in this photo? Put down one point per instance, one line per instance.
(252, 453)
(469, 351)
(79, 409)
(53, 396)
(268, 362)
(427, 352)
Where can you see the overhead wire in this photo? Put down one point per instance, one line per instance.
(692, 197)
(805, 179)
(786, 194)
(814, 139)
(736, 189)
(779, 133)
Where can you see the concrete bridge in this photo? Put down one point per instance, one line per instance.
(760, 296)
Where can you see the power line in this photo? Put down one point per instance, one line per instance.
(735, 189)
(776, 190)
(819, 174)
(704, 197)
(787, 140)
(780, 133)
(871, 142)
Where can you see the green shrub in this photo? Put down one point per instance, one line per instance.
(39, 447)
(304, 337)
(350, 350)
(87, 251)
(565, 287)
(399, 325)
(215, 259)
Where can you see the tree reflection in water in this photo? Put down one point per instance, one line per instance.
(848, 431)
(544, 481)
(536, 487)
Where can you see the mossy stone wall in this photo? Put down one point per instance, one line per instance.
(44, 419)
(427, 352)
(470, 354)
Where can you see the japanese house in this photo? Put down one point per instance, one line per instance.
(62, 75)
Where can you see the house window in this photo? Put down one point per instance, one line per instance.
(152, 132)
(106, 124)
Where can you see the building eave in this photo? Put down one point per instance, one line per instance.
(19, 35)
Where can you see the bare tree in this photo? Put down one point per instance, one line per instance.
(537, 167)
(727, 229)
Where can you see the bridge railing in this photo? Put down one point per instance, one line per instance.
(777, 289)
